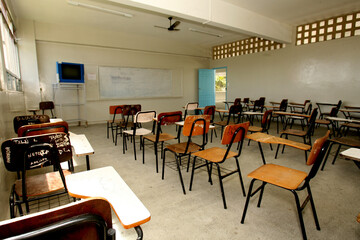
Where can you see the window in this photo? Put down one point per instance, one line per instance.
(10, 50)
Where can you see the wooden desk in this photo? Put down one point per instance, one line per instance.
(352, 154)
(266, 138)
(54, 120)
(106, 183)
(335, 123)
(292, 114)
(81, 147)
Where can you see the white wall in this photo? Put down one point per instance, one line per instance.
(98, 48)
(323, 72)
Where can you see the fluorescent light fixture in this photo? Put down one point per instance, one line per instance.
(205, 32)
(100, 9)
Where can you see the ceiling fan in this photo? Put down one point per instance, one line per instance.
(172, 26)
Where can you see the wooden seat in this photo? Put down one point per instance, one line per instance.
(27, 153)
(290, 179)
(87, 219)
(197, 125)
(217, 156)
(163, 119)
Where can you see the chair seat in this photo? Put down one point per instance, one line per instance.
(139, 131)
(124, 125)
(224, 123)
(180, 147)
(279, 175)
(351, 125)
(295, 132)
(41, 184)
(117, 121)
(214, 154)
(162, 138)
(322, 121)
(255, 129)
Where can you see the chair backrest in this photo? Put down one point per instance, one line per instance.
(237, 101)
(258, 105)
(115, 109)
(28, 120)
(317, 154)
(90, 219)
(234, 111)
(312, 120)
(25, 153)
(167, 118)
(339, 104)
(334, 111)
(306, 101)
(144, 117)
(196, 125)
(130, 111)
(246, 100)
(47, 105)
(190, 107)
(307, 107)
(283, 105)
(234, 134)
(266, 120)
(262, 100)
(210, 110)
(43, 128)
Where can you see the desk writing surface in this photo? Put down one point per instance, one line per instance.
(337, 119)
(80, 144)
(352, 154)
(106, 183)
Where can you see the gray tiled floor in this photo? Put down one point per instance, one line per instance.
(200, 214)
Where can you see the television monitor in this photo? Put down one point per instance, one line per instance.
(70, 72)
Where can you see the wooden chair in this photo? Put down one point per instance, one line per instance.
(290, 120)
(210, 110)
(306, 135)
(87, 219)
(326, 114)
(333, 113)
(340, 141)
(290, 179)
(192, 106)
(246, 102)
(235, 113)
(116, 119)
(47, 105)
(43, 128)
(128, 113)
(27, 153)
(265, 124)
(19, 121)
(282, 108)
(163, 119)
(140, 118)
(197, 125)
(217, 155)
(237, 101)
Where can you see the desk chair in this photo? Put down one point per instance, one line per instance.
(237, 101)
(217, 156)
(197, 125)
(282, 108)
(265, 125)
(127, 114)
(87, 219)
(43, 128)
(163, 119)
(210, 110)
(246, 102)
(305, 110)
(235, 110)
(306, 135)
(27, 153)
(326, 114)
(47, 105)
(192, 106)
(140, 118)
(19, 121)
(333, 113)
(341, 141)
(290, 179)
(115, 111)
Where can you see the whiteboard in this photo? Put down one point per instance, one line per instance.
(127, 82)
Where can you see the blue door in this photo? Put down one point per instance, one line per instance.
(206, 87)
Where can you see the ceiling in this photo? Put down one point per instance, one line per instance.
(290, 12)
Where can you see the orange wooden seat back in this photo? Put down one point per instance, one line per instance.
(230, 131)
(315, 150)
(117, 108)
(169, 118)
(198, 126)
(43, 128)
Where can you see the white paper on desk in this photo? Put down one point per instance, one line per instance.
(91, 76)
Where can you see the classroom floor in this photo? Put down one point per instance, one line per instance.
(200, 213)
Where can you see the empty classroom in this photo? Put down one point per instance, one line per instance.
(124, 81)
